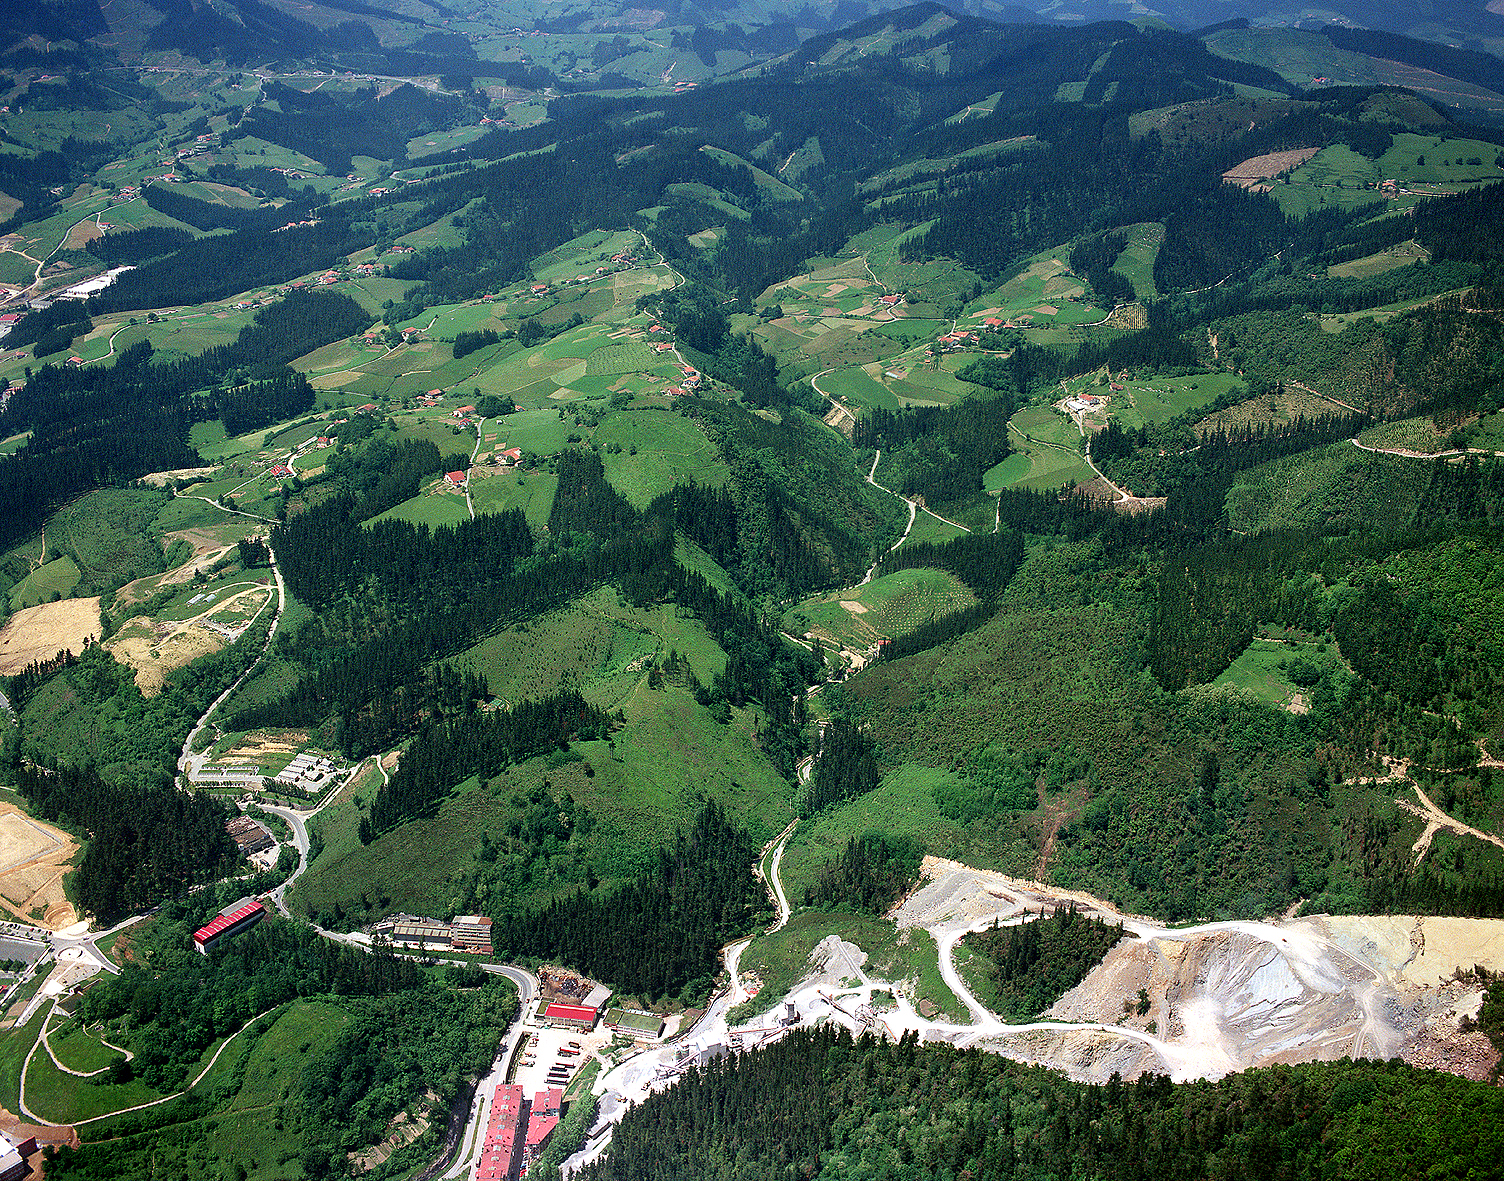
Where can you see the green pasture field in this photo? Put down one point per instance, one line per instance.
(456, 317)
(245, 1127)
(692, 557)
(13, 444)
(55, 580)
(443, 141)
(625, 357)
(298, 1033)
(251, 152)
(1136, 263)
(429, 507)
(768, 184)
(580, 256)
(1448, 161)
(79, 1049)
(45, 129)
(857, 386)
(531, 491)
(1045, 424)
(1376, 264)
(712, 197)
(440, 233)
(915, 331)
(890, 606)
(1009, 472)
(439, 429)
(16, 1042)
(1045, 282)
(1261, 669)
(537, 432)
(58, 1096)
(371, 291)
(932, 288)
(187, 512)
(669, 449)
(904, 803)
(218, 194)
(781, 959)
(665, 757)
(590, 300)
(1048, 467)
(1159, 399)
(136, 214)
(1336, 323)
(598, 643)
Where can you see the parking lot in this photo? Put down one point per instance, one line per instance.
(537, 1058)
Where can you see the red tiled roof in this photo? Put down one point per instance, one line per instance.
(569, 1012)
(226, 921)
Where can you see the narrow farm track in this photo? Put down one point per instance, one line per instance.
(480, 433)
(45, 1122)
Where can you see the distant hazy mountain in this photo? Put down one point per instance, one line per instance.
(429, 36)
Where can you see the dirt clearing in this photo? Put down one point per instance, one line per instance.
(1259, 168)
(161, 479)
(33, 858)
(154, 648)
(41, 632)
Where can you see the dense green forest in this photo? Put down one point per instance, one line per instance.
(828, 1106)
(1037, 961)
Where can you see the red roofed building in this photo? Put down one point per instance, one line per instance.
(456, 479)
(993, 322)
(571, 1016)
(280, 470)
(512, 455)
(227, 925)
(499, 1151)
(541, 1124)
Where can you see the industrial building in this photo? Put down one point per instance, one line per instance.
(307, 772)
(471, 932)
(229, 924)
(250, 835)
(635, 1023)
(569, 1016)
(468, 932)
(13, 1153)
(226, 776)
